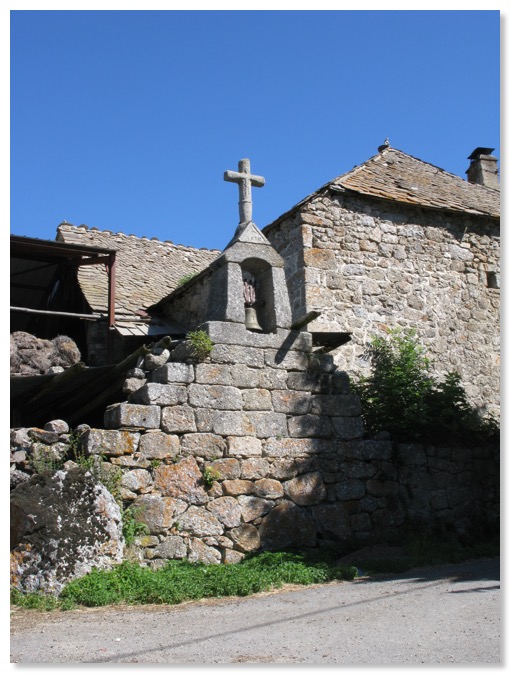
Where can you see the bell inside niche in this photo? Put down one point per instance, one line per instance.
(250, 297)
(251, 321)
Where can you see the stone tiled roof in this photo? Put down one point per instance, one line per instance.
(146, 269)
(396, 176)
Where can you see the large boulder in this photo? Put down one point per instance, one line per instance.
(62, 525)
(31, 356)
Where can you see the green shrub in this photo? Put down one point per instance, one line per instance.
(131, 528)
(201, 344)
(402, 397)
(209, 476)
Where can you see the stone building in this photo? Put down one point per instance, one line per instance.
(257, 442)
(398, 242)
(394, 242)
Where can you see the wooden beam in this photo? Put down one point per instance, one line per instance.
(83, 316)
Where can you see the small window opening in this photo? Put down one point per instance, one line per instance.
(493, 280)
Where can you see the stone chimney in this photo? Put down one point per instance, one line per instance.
(483, 169)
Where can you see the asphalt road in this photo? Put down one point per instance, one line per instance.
(440, 615)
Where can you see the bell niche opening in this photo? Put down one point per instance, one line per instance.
(258, 289)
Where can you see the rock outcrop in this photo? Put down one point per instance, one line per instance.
(63, 524)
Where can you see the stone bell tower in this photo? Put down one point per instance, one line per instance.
(245, 285)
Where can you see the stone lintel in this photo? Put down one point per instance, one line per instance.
(241, 251)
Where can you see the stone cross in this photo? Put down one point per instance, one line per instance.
(245, 180)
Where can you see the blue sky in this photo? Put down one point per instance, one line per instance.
(127, 120)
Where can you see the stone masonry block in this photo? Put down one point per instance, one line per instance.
(173, 372)
(130, 385)
(253, 507)
(336, 405)
(110, 442)
(155, 360)
(411, 454)
(271, 489)
(132, 415)
(309, 425)
(213, 374)
(215, 397)
(226, 354)
(291, 447)
(246, 377)
(265, 423)
(244, 446)
(347, 427)
(291, 401)
(320, 259)
(228, 423)
(178, 419)
(137, 481)
(307, 489)
(286, 359)
(254, 468)
(158, 513)
(204, 444)
(273, 379)
(340, 383)
(309, 380)
(182, 480)
(257, 399)
(352, 489)
(159, 445)
(159, 393)
(236, 334)
(227, 468)
(371, 449)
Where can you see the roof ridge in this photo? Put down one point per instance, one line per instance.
(386, 150)
(121, 234)
(421, 161)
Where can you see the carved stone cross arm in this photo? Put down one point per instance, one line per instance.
(245, 180)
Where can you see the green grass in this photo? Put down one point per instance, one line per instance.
(178, 581)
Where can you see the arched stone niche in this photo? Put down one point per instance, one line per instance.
(259, 272)
(250, 255)
(218, 294)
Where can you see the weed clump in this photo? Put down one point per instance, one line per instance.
(200, 343)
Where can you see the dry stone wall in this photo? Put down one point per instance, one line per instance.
(261, 446)
(369, 265)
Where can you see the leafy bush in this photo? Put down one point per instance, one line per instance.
(402, 397)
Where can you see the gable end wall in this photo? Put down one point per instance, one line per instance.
(369, 265)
